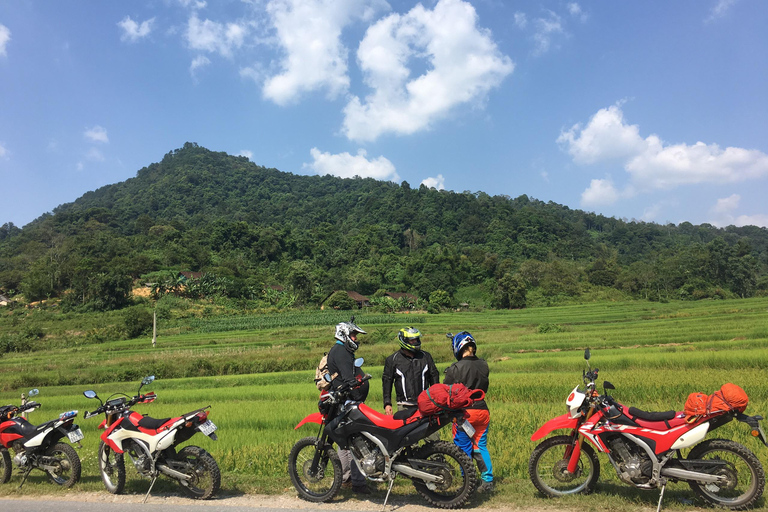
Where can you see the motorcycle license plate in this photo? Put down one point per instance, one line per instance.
(468, 428)
(75, 436)
(207, 428)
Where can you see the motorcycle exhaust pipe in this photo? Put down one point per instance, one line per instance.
(173, 473)
(415, 473)
(684, 474)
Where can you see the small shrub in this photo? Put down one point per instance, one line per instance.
(138, 321)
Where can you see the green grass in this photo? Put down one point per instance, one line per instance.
(655, 355)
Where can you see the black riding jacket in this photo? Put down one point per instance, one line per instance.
(472, 372)
(341, 362)
(411, 373)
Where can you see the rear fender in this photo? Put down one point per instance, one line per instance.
(312, 418)
(561, 422)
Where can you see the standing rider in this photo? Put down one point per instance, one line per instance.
(473, 372)
(411, 370)
(341, 367)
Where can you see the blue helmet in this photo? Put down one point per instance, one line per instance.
(460, 341)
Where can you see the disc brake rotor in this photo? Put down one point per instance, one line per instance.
(561, 473)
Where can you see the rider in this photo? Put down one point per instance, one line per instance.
(473, 372)
(411, 370)
(341, 365)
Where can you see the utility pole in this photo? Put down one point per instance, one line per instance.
(154, 327)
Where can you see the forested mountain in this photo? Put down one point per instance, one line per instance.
(249, 229)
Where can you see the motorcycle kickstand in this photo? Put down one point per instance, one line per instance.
(391, 483)
(151, 484)
(26, 474)
(661, 496)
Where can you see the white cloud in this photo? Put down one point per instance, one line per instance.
(727, 204)
(133, 31)
(193, 4)
(214, 37)
(651, 163)
(719, 10)
(606, 137)
(599, 193)
(5, 36)
(521, 20)
(345, 165)
(309, 32)
(94, 155)
(3, 151)
(438, 183)
(575, 10)
(751, 220)
(651, 213)
(247, 154)
(463, 63)
(199, 62)
(546, 29)
(97, 134)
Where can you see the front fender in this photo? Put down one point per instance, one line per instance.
(561, 422)
(312, 418)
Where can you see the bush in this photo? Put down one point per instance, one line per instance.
(138, 321)
(340, 300)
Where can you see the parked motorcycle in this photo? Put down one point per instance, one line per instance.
(38, 447)
(151, 445)
(645, 450)
(382, 447)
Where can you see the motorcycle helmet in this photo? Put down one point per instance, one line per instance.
(410, 339)
(460, 341)
(344, 331)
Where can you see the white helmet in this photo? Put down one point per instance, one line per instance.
(343, 332)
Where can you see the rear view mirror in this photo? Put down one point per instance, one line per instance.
(587, 354)
(359, 362)
(90, 394)
(147, 380)
(33, 392)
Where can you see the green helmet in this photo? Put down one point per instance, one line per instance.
(410, 339)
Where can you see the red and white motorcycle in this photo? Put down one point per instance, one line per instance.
(39, 446)
(151, 445)
(645, 449)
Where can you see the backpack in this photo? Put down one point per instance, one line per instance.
(730, 397)
(442, 397)
(320, 372)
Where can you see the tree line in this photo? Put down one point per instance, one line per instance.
(253, 230)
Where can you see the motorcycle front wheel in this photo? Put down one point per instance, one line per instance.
(112, 469)
(459, 477)
(66, 465)
(548, 468)
(202, 467)
(5, 465)
(744, 475)
(317, 484)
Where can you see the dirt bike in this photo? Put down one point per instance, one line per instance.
(382, 447)
(38, 447)
(645, 450)
(151, 445)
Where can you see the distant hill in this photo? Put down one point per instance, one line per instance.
(251, 227)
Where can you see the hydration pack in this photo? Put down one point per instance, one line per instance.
(320, 372)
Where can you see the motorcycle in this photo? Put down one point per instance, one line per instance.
(383, 447)
(645, 450)
(151, 445)
(38, 447)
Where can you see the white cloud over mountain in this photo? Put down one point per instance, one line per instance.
(463, 65)
(345, 165)
(651, 163)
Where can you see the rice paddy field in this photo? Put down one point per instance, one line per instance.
(256, 373)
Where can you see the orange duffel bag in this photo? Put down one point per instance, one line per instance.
(729, 398)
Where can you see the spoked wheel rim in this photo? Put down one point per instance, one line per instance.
(314, 481)
(317, 481)
(548, 468)
(742, 475)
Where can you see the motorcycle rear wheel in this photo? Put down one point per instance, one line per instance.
(206, 477)
(459, 475)
(744, 472)
(67, 463)
(112, 469)
(5, 465)
(322, 485)
(548, 468)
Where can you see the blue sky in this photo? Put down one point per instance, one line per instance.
(654, 111)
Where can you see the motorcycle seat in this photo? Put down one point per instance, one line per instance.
(382, 420)
(656, 420)
(152, 423)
